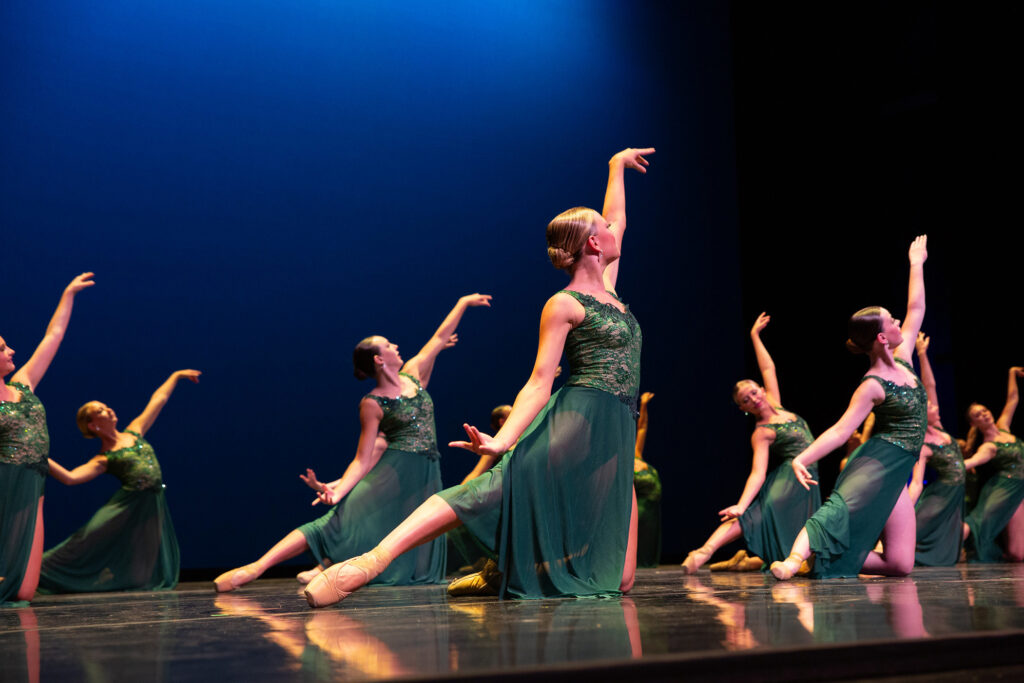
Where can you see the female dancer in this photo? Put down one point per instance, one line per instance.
(24, 446)
(377, 490)
(1000, 501)
(940, 507)
(870, 498)
(556, 512)
(129, 543)
(773, 506)
(647, 484)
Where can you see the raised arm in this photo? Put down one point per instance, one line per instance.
(761, 440)
(927, 376)
(367, 456)
(81, 474)
(641, 425)
(764, 360)
(918, 254)
(31, 373)
(868, 395)
(1006, 417)
(916, 485)
(158, 400)
(421, 365)
(560, 313)
(986, 452)
(614, 211)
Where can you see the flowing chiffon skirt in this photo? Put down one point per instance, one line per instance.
(940, 520)
(21, 487)
(782, 507)
(998, 501)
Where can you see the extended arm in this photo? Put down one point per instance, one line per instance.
(81, 474)
(367, 455)
(1006, 417)
(158, 400)
(641, 425)
(31, 373)
(764, 360)
(867, 396)
(915, 299)
(614, 210)
(916, 485)
(986, 452)
(421, 365)
(927, 376)
(760, 441)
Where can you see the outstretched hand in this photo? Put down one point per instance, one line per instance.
(634, 158)
(919, 250)
(803, 475)
(646, 397)
(922, 343)
(477, 299)
(190, 375)
(311, 481)
(452, 341)
(1017, 371)
(731, 512)
(79, 283)
(479, 443)
(761, 323)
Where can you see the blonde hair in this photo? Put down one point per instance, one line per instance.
(83, 418)
(567, 234)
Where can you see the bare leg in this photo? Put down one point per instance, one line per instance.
(285, 549)
(791, 565)
(1015, 536)
(30, 582)
(727, 532)
(898, 541)
(629, 569)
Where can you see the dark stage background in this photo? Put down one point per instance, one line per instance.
(260, 185)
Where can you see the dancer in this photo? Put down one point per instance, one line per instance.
(129, 544)
(647, 484)
(1001, 501)
(560, 512)
(24, 447)
(773, 506)
(870, 498)
(377, 490)
(939, 508)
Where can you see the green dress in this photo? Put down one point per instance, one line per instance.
(406, 475)
(556, 509)
(129, 544)
(24, 448)
(1000, 497)
(846, 527)
(940, 509)
(648, 507)
(772, 521)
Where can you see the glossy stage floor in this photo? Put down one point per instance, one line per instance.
(961, 623)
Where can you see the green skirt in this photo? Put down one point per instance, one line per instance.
(556, 510)
(397, 485)
(129, 544)
(999, 499)
(782, 507)
(21, 487)
(847, 526)
(940, 524)
(648, 508)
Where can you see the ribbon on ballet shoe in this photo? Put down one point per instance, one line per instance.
(783, 571)
(339, 581)
(230, 580)
(691, 564)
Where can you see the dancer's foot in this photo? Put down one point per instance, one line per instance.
(785, 570)
(236, 578)
(308, 575)
(487, 581)
(696, 558)
(751, 564)
(338, 581)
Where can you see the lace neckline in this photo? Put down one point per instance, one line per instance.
(400, 397)
(590, 297)
(138, 440)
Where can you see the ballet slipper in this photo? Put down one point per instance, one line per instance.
(487, 581)
(339, 581)
(783, 571)
(751, 564)
(308, 575)
(236, 578)
(695, 558)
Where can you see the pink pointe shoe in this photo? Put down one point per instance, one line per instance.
(230, 580)
(787, 569)
(308, 575)
(339, 581)
(696, 558)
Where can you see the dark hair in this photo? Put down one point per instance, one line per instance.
(864, 327)
(497, 414)
(362, 359)
(83, 418)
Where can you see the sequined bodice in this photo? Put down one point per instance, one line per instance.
(604, 350)
(408, 422)
(791, 439)
(135, 466)
(1009, 458)
(948, 462)
(647, 483)
(902, 418)
(24, 439)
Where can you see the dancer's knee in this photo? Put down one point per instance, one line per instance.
(627, 583)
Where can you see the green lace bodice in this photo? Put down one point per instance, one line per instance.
(604, 350)
(902, 418)
(791, 439)
(948, 462)
(647, 484)
(1009, 458)
(24, 439)
(408, 422)
(135, 466)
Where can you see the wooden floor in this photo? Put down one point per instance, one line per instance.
(961, 623)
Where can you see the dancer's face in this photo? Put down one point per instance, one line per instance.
(980, 416)
(605, 238)
(102, 417)
(388, 353)
(751, 398)
(891, 329)
(6, 358)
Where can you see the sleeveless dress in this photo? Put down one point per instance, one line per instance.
(847, 526)
(772, 521)
(129, 544)
(1000, 497)
(24, 448)
(406, 475)
(940, 508)
(555, 511)
(648, 507)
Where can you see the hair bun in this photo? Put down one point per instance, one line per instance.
(852, 347)
(560, 258)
